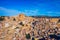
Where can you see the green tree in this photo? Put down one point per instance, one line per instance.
(28, 36)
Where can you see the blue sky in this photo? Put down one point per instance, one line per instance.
(30, 7)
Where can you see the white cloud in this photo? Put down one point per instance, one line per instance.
(31, 12)
(15, 12)
(4, 11)
(9, 11)
(53, 12)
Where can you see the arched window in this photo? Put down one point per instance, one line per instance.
(14, 19)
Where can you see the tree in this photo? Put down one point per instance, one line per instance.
(28, 36)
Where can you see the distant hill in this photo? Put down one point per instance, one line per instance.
(37, 16)
(46, 16)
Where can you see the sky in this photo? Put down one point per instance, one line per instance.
(30, 7)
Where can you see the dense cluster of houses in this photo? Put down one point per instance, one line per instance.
(23, 27)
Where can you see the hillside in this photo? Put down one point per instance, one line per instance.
(22, 27)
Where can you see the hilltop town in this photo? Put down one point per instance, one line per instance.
(22, 27)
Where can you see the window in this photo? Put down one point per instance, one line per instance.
(21, 23)
(1, 18)
(59, 21)
(14, 19)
